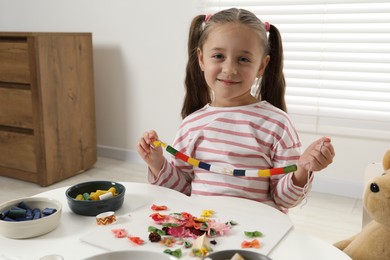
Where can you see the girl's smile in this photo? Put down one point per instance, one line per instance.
(228, 82)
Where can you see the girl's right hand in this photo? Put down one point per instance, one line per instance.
(152, 155)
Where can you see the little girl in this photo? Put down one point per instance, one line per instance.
(227, 124)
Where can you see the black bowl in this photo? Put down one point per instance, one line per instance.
(94, 207)
(228, 254)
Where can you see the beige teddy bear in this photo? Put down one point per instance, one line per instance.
(373, 242)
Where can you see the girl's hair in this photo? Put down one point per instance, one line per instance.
(272, 85)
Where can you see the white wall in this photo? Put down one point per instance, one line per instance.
(139, 59)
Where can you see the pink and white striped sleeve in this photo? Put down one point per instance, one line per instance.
(285, 193)
(172, 177)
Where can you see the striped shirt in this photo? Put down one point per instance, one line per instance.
(256, 136)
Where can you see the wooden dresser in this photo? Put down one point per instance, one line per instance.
(47, 107)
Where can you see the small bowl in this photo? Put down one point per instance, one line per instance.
(228, 254)
(31, 228)
(94, 207)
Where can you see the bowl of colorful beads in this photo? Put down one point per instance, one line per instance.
(95, 197)
(29, 217)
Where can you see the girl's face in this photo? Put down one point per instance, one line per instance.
(231, 58)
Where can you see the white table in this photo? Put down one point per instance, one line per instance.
(78, 237)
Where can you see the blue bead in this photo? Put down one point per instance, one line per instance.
(48, 211)
(36, 213)
(204, 166)
(23, 205)
(237, 172)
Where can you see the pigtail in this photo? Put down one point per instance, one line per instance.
(273, 84)
(197, 92)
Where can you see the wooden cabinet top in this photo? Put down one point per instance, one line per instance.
(26, 34)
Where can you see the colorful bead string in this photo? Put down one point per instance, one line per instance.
(217, 169)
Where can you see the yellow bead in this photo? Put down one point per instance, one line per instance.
(264, 173)
(113, 191)
(193, 162)
(79, 197)
(157, 143)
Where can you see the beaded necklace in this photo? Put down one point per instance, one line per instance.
(217, 169)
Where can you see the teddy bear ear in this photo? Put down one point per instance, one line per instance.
(386, 161)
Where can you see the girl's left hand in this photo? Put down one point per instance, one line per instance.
(318, 155)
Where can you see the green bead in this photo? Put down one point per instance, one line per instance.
(17, 213)
(86, 196)
(171, 150)
(291, 168)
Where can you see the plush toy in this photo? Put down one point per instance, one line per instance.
(373, 242)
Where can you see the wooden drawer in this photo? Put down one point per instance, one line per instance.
(47, 116)
(14, 65)
(17, 151)
(16, 107)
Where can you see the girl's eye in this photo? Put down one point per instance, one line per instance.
(243, 59)
(218, 56)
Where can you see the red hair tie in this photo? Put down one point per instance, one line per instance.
(207, 17)
(267, 26)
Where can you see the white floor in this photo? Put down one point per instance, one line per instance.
(328, 217)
